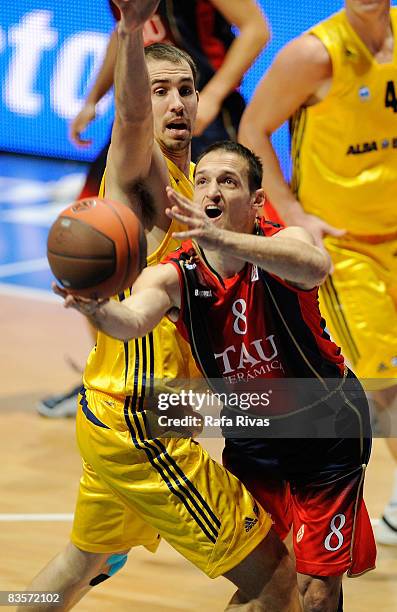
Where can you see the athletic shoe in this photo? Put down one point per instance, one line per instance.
(386, 530)
(58, 406)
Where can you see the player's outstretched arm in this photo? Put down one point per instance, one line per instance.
(253, 35)
(155, 292)
(295, 79)
(290, 254)
(132, 148)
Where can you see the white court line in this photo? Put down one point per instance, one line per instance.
(36, 517)
(69, 517)
(22, 267)
(28, 292)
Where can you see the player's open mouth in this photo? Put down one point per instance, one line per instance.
(213, 211)
(177, 127)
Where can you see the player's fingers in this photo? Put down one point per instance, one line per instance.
(82, 142)
(173, 214)
(70, 302)
(58, 290)
(334, 231)
(174, 211)
(185, 235)
(178, 199)
(76, 128)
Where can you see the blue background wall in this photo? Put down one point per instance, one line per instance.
(50, 50)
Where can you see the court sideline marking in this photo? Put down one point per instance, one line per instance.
(23, 267)
(67, 517)
(36, 517)
(10, 290)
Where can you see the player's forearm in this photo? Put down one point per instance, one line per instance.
(118, 321)
(131, 79)
(242, 53)
(130, 153)
(104, 80)
(276, 188)
(289, 258)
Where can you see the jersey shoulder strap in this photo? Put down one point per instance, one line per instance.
(196, 318)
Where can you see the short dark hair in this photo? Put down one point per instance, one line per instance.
(170, 53)
(255, 168)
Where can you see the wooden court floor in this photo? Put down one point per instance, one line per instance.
(41, 467)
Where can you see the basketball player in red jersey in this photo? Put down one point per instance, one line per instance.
(248, 304)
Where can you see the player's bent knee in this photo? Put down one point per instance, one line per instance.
(113, 563)
(269, 561)
(319, 594)
(92, 568)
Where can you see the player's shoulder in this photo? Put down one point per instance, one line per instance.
(183, 253)
(307, 50)
(272, 228)
(267, 227)
(298, 233)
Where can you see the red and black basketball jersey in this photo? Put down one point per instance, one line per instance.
(201, 30)
(245, 346)
(256, 325)
(115, 10)
(193, 25)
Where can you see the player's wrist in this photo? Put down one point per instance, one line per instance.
(92, 308)
(90, 103)
(226, 239)
(125, 28)
(215, 92)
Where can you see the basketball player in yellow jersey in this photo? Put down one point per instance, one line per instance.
(337, 83)
(136, 487)
(158, 357)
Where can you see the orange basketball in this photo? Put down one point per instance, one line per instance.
(96, 248)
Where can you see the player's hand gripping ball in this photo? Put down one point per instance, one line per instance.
(96, 248)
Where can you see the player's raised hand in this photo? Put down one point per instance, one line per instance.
(134, 13)
(317, 227)
(80, 123)
(200, 227)
(85, 306)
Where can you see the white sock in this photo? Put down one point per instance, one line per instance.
(393, 499)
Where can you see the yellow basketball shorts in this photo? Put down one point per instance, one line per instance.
(133, 489)
(359, 303)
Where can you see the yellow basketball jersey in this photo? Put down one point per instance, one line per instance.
(134, 368)
(344, 148)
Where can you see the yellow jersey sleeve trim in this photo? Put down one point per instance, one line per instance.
(178, 176)
(102, 185)
(329, 32)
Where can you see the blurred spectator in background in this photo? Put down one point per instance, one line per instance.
(203, 28)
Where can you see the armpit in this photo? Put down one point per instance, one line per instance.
(173, 314)
(145, 201)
